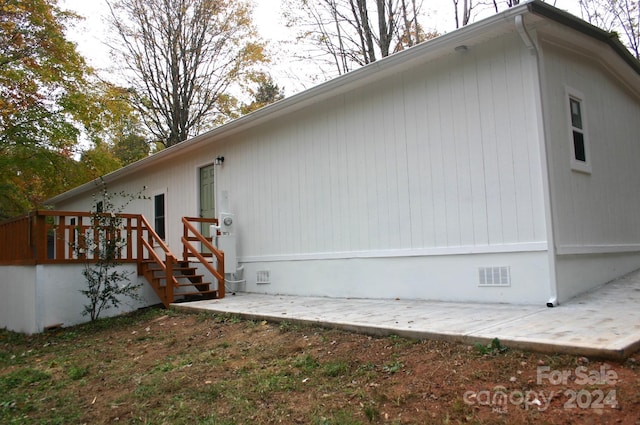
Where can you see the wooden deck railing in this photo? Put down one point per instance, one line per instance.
(50, 237)
(17, 240)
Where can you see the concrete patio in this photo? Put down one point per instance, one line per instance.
(604, 323)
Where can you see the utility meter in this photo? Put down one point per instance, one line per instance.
(226, 223)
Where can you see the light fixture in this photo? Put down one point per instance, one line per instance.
(461, 48)
(219, 160)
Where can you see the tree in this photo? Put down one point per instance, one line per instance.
(352, 33)
(130, 148)
(183, 58)
(465, 10)
(99, 160)
(42, 86)
(40, 71)
(267, 92)
(28, 178)
(462, 11)
(621, 16)
(115, 126)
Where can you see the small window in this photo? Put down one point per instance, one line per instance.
(159, 214)
(580, 160)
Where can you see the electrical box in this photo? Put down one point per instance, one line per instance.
(227, 244)
(226, 223)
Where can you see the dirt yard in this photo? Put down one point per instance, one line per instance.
(167, 367)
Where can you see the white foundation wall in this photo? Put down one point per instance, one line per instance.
(18, 300)
(441, 277)
(580, 273)
(36, 297)
(61, 302)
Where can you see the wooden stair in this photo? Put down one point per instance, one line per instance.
(186, 284)
(176, 280)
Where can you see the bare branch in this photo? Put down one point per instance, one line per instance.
(183, 56)
(351, 33)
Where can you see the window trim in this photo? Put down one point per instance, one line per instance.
(577, 164)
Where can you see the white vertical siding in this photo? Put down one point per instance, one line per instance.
(442, 156)
(593, 212)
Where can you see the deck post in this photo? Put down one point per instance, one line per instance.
(221, 282)
(60, 241)
(185, 236)
(129, 237)
(39, 235)
(170, 261)
(139, 245)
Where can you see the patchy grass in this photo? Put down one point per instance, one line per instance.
(167, 367)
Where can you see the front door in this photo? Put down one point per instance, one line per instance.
(207, 197)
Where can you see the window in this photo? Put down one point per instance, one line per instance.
(580, 160)
(159, 215)
(74, 231)
(577, 130)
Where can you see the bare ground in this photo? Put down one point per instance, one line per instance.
(168, 367)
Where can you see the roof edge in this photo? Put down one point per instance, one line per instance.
(565, 18)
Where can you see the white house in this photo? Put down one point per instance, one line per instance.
(496, 163)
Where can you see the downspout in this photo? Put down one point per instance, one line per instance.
(551, 251)
(524, 35)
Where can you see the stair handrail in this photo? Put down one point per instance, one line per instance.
(218, 273)
(170, 259)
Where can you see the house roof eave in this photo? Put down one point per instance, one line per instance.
(543, 9)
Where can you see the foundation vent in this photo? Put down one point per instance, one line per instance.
(263, 276)
(494, 276)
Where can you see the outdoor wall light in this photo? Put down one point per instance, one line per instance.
(461, 49)
(219, 160)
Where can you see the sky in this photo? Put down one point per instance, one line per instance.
(91, 33)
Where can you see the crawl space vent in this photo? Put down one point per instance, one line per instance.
(494, 276)
(263, 276)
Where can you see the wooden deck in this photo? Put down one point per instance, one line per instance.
(62, 237)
